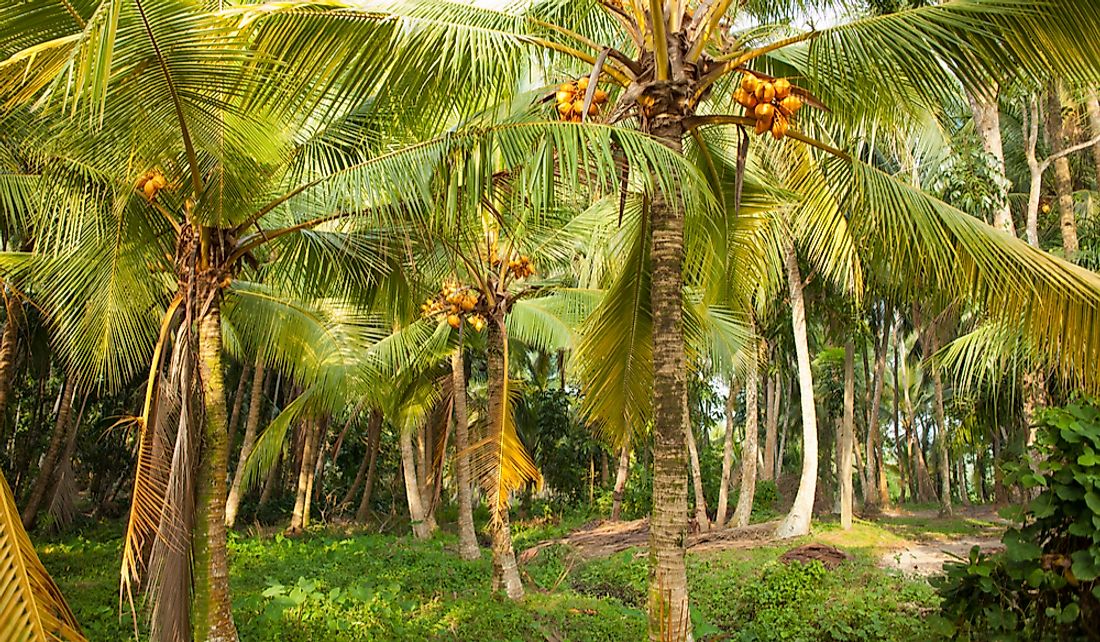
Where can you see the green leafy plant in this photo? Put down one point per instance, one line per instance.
(1044, 585)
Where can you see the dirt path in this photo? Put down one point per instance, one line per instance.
(604, 538)
(915, 552)
(927, 559)
(926, 553)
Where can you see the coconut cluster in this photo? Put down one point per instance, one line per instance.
(151, 182)
(770, 102)
(521, 267)
(570, 100)
(455, 303)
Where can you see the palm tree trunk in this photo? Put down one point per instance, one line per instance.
(467, 538)
(987, 122)
(702, 522)
(847, 436)
(620, 482)
(299, 519)
(374, 443)
(771, 426)
(357, 483)
(238, 403)
(907, 479)
(47, 472)
(9, 342)
(876, 464)
(316, 477)
(270, 482)
(62, 506)
(941, 433)
(1063, 179)
(213, 610)
(412, 488)
(727, 459)
(797, 522)
(743, 511)
(669, 617)
(505, 571)
(960, 478)
(255, 405)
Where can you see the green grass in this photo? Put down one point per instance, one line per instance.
(332, 585)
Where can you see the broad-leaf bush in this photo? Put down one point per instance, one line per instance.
(1044, 585)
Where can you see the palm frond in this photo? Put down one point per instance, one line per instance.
(32, 607)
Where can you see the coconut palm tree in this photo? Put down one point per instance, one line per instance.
(673, 61)
(204, 162)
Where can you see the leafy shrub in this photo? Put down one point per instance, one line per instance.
(1044, 585)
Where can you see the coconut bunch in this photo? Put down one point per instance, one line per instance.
(521, 267)
(570, 100)
(455, 303)
(770, 102)
(150, 183)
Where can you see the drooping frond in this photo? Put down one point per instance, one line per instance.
(923, 242)
(980, 358)
(500, 462)
(32, 608)
(982, 43)
(265, 453)
(615, 352)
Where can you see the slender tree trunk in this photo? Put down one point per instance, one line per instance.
(62, 506)
(906, 479)
(866, 467)
(255, 406)
(299, 519)
(213, 609)
(316, 477)
(771, 425)
(357, 483)
(702, 522)
(727, 459)
(270, 482)
(505, 571)
(374, 443)
(847, 436)
(238, 403)
(964, 491)
(798, 519)
(781, 453)
(1092, 104)
(424, 478)
(857, 448)
(47, 473)
(875, 452)
(1000, 493)
(9, 342)
(361, 472)
(467, 538)
(412, 488)
(941, 434)
(1063, 179)
(743, 511)
(987, 122)
(620, 482)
